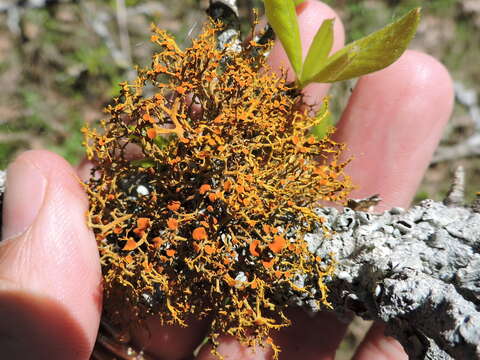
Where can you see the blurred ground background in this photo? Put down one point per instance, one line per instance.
(61, 61)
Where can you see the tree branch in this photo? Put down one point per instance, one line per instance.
(468, 148)
(226, 11)
(98, 21)
(417, 270)
(230, 4)
(122, 16)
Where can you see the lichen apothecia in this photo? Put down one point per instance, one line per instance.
(206, 180)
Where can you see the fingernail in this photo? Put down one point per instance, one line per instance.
(24, 193)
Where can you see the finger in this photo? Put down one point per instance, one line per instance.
(311, 338)
(308, 338)
(172, 342)
(84, 169)
(166, 342)
(376, 345)
(310, 14)
(50, 275)
(231, 348)
(392, 125)
(295, 341)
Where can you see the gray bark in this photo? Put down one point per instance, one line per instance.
(416, 270)
(226, 11)
(232, 4)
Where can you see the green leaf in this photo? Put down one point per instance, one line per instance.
(325, 124)
(371, 53)
(282, 17)
(321, 46)
(321, 130)
(333, 69)
(298, 2)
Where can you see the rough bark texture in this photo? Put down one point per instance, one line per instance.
(417, 270)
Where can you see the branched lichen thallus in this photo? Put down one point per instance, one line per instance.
(206, 181)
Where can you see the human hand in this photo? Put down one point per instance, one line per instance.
(50, 278)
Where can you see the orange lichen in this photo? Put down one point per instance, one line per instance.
(268, 264)
(253, 248)
(209, 249)
(142, 223)
(173, 205)
(130, 245)
(204, 188)
(172, 224)
(157, 241)
(278, 244)
(199, 233)
(227, 185)
(151, 133)
(211, 222)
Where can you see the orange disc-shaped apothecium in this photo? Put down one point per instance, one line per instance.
(199, 233)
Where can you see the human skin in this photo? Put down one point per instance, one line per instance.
(50, 276)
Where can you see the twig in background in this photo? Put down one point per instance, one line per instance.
(456, 195)
(148, 8)
(471, 146)
(15, 8)
(98, 20)
(34, 142)
(8, 5)
(13, 21)
(467, 148)
(123, 30)
(468, 98)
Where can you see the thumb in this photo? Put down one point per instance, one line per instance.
(50, 293)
